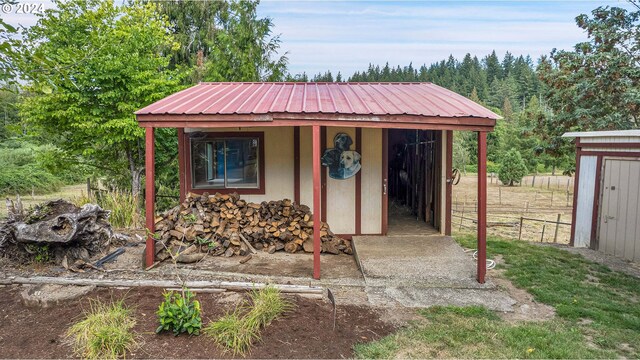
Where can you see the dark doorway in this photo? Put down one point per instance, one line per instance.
(414, 169)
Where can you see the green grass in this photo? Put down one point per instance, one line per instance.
(598, 313)
(237, 330)
(104, 332)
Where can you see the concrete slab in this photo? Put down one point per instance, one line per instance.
(424, 261)
(415, 297)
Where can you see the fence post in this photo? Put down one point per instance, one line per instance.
(89, 188)
(555, 236)
(461, 217)
(500, 195)
(533, 182)
(548, 182)
(520, 233)
(543, 228)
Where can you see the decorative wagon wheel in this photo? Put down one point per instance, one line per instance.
(455, 176)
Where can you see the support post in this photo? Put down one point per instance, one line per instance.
(149, 194)
(316, 201)
(482, 206)
(182, 168)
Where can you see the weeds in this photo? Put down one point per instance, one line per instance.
(236, 332)
(41, 253)
(124, 207)
(232, 332)
(105, 332)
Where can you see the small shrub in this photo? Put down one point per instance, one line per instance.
(180, 313)
(105, 332)
(231, 332)
(512, 168)
(267, 305)
(236, 332)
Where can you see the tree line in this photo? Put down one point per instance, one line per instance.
(72, 82)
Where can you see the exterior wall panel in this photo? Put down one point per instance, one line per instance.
(584, 206)
(371, 181)
(279, 157)
(341, 194)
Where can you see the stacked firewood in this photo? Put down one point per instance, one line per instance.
(224, 224)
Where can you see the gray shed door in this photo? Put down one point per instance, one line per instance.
(619, 224)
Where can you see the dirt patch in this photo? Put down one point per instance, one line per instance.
(526, 308)
(306, 332)
(45, 295)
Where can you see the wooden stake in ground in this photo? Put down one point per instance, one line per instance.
(520, 232)
(555, 235)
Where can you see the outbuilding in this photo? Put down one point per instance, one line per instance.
(345, 149)
(606, 211)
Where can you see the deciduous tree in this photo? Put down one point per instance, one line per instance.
(89, 65)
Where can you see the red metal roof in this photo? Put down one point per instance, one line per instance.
(376, 99)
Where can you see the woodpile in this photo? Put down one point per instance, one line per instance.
(225, 225)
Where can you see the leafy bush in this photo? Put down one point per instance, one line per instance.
(29, 168)
(105, 332)
(236, 332)
(512, 168)
(180, 313)
(27, 179)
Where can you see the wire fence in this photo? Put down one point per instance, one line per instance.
(520, 227)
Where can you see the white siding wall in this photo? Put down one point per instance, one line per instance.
(371, 181)
(279, 176)
(341, 194)
(584, 206)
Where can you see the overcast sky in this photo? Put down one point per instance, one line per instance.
(347, 36)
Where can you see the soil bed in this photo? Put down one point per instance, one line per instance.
(306, 332)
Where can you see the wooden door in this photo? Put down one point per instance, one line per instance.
(619, 223)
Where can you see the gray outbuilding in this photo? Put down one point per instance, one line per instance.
(606, 211)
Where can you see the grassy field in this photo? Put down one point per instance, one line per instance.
(598, 314)
(506, 204)
(68, 192)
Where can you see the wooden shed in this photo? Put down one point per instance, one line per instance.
(606, 211)
(343, 149)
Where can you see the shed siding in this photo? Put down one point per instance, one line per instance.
(610, 139)
(584, 206)
(443, 182)
(279, 157)
(341, 194)
(306, 166)
(371, 181)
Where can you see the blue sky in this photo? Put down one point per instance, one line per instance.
(348, 35)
